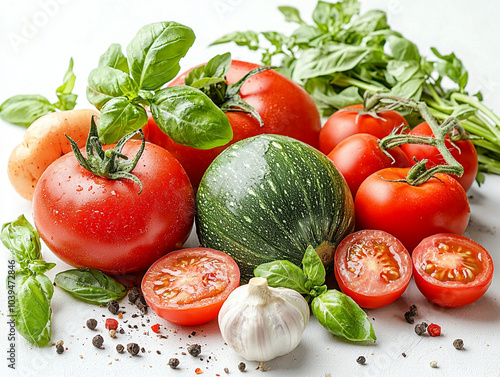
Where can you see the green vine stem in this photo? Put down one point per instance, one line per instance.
(419, 174)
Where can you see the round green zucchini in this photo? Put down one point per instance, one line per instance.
(268, 198)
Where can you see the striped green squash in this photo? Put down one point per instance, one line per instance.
(270, 196)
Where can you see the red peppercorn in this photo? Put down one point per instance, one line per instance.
(156, 328)
(111, 324)
(434, 330)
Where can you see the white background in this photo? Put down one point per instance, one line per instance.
(37, 38)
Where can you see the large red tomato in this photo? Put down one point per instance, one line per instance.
(189, 286)
(90, 221)
(410, 213)
(463, 151)
(452, 270)
(285, 109)
(349, 121)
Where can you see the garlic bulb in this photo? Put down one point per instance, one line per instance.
(260, 323)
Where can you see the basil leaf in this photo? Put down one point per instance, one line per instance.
(22, 240)
(114, 58)
(451, 67)
(67, 100)
(249, 39)
(403, 49)
(313, 267)
(32, 310)
(105, 83)
(327, 60)
(39, 266)
(190, 118)
(24, 109)
(218, 66)
(339, 314)
(291, 14)
(118, 117)
(154, 53)
(282, 273)
(90, 285)
(46, 284)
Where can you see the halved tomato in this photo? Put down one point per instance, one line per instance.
(189, 286)
(451, 270)
(372, 267)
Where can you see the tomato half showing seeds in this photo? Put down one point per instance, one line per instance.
(189, 286)
(372, 267)
(451, 270)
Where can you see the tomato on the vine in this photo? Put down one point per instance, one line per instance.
(411, 212)
(372, 267)
(189, 286)
(285, 108)
(360, 155)
(462, 150)
(351, 120)
(95, 222)
(451, 270)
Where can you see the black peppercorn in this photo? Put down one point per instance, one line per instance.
(133, 294)
(421, 328)
(91, 323)
(458, 344)
(97, 341)
(194, 350)
(133, 348)
(173, 363)
(120, 348)
(59, 348)
(241, 366)
(113, 306)
(361, 360)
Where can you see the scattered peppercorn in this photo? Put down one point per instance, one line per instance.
(458, 344)
(226, 370)
(111, 324)
(421, 328)
(361, 360)
(97, 341)
(143, 350)
(241, 366)
(91, 323)
(113, 306)
(194, 350)
(133, 348)
(133, 294)
(112, 333)
(411, 314)
(433, 364)
(173, 362)
(59, 348)
(434, 330)
(120, 348)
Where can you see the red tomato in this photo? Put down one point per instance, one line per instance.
(189, 286)
(372, 267)
(359, 155)
(411, 213)
(344, 123)
(451, 270)
(463, 151)
(90, 221)
(156, 328)
(284, 107)
(434, 330)
(111, 324)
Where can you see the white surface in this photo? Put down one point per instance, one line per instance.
(37, 38)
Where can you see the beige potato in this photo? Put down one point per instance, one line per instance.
(43, 143)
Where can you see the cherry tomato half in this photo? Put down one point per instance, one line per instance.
(451, 270)
(463, 151)
(372, 267)
(360, 155)
(411, 213)
(344, 123)
(189, 286)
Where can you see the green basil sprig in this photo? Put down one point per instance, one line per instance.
(90, 285)
(32, 289)
(122, 86)
(24, 109)
(336, 311)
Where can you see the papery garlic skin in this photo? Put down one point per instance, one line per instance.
(260, 323)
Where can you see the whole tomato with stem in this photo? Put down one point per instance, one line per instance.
(452, 270)
(410, 212)
(462, 150)
(284, 108)
(120, 215)
(360, 155)
(353, 120)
